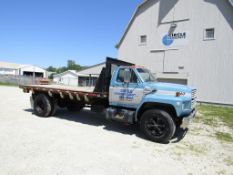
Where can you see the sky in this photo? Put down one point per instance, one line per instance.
(49, 32)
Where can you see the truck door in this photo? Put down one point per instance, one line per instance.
(126, 94)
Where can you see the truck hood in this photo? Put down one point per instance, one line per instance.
(169, 87)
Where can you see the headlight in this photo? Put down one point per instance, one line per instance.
(178, 94)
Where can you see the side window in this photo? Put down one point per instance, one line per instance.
(120, 76)
(121, 73)
(134, 78)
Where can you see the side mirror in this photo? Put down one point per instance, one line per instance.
(127, 76)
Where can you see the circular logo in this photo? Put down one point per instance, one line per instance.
(167, 40)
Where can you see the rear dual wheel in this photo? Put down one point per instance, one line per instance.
(157, 125)
(44, 106)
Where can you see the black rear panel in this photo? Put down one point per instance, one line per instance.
(99, 87)
(103, 82)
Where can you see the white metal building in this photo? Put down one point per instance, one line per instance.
(184, 41)
(86, 77)
(7, 68)
(69, 77)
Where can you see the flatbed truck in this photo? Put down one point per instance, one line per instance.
(125, 93)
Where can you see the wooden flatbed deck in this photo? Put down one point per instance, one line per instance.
(73, 93)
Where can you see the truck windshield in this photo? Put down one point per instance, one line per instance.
(146, 75)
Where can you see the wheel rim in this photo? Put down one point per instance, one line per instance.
(40, 106)
(156, 126)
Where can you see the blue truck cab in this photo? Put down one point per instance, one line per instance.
(136, 96)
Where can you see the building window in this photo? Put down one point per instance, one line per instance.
(143, 39)
(209, 34)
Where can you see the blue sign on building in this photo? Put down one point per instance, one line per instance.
(167, 40)
(178, 39)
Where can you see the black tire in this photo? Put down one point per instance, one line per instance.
(74, 107)
(54, 106)
(157, 125)
(43, 105)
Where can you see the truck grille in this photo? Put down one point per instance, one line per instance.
(194, 97)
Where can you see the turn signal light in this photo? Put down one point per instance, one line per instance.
(178, 94)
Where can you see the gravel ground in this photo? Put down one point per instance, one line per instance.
(85, 143)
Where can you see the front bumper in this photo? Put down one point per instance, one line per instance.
(187, 120)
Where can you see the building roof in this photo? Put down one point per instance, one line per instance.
(10, 65)
(15, 66)
(134, 16)
(77, 73)
(92, 66)
(73, 72)
(93, 70)
(130, 23)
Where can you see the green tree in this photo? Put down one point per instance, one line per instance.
(62, 69)
(51, 69)
(71, 65)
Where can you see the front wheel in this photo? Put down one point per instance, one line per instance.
(157, 125)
